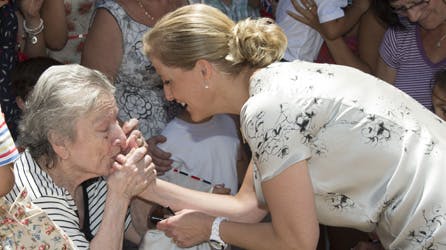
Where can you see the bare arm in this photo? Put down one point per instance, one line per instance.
(370, 34)
(291, 204)
(56, 30)
(35, 43)
(332, 29)
(337, 28)
(7, 177)
(132, 174)
(103, 46)
(384, 72)
(242, 207)
(294, 225)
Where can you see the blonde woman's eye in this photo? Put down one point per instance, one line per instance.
(165, 82)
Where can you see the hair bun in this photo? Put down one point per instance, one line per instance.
(256, 42)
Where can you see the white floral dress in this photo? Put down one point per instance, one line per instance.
(376, 157)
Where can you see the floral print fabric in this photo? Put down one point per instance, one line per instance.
(139, 91)
(374, 154)
(24, 225)
(78, 20)
(8, 59)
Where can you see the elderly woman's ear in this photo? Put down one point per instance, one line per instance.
(59, 144)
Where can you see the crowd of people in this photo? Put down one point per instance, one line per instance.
(174, 124)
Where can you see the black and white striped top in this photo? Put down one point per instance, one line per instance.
(57, 202)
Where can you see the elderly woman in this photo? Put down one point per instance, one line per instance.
(70, 167)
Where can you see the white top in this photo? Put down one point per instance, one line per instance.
(304, 42)
(376, 156)
(209, 150)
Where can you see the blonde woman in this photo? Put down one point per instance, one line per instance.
(330, 144)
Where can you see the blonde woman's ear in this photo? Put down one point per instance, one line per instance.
(205, 68)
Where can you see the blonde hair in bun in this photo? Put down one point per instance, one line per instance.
(199, 31)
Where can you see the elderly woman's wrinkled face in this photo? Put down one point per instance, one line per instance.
(99, 138)
(428, 13)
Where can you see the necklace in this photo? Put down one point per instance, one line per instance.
(440, 40)
(145, 10)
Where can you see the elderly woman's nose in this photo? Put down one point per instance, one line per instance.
(118, 136)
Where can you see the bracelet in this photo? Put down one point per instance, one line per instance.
(34, 31)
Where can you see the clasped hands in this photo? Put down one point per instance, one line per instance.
(133, 169)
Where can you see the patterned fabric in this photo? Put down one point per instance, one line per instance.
(8, 151)
(24, 225)
(139, 91)
(375, 157)
(402, 50)
(78, 20)
(238, 10)
(8, 59)
(57, 202)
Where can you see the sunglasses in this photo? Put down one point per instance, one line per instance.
(404, 9)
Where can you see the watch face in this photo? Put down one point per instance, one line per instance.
(216, 244)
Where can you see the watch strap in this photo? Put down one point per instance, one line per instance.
(215, 239)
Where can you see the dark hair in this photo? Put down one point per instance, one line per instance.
(25, 74)
(383, 10)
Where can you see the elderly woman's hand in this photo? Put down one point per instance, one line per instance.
(133, 173)
(187, 228)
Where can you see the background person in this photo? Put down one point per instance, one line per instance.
(8, 155)
(409, 57)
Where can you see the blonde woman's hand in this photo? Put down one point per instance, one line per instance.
(187, 227)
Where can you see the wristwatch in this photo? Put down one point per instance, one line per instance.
(214, 240)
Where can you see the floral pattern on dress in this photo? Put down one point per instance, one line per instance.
(8, 59)
(139, 90)
(24, 225)
(78, 14)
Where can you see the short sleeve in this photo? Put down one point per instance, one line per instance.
(275, 132)
(8, 150)
(388, 50)
(329, 10)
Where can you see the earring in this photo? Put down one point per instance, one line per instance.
(206, 86)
